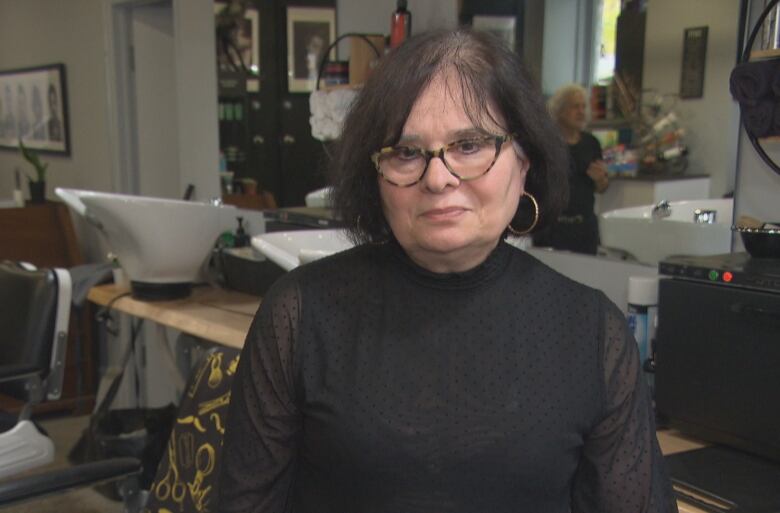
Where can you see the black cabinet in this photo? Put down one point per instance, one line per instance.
(717, 361)
(265, 135)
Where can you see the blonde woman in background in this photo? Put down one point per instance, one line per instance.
(577, 227)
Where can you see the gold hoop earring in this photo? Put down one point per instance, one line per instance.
(518, 233)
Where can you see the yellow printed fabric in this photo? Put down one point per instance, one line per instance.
(186, 479)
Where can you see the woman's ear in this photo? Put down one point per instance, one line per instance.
(521, 156)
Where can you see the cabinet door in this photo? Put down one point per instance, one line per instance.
(280, 152)
(717, 361)
(304, 162)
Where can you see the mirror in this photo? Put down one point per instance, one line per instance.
(710, 121)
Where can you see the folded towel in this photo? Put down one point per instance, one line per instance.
(759, 118)
(752, 81)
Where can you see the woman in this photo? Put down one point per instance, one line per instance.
(434, 367)
(577, 228)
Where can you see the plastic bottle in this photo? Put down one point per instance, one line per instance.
(18, 194)
(241, 238)
(400, 24)
(642, 314)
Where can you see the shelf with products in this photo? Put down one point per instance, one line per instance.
(752, 116)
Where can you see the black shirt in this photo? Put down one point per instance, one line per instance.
(368, 384)
(577, 227)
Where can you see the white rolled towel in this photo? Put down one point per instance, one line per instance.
(328, 111)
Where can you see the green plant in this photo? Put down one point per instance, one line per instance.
(32, 157)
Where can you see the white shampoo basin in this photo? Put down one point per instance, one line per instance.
(650, 239)
(290, 249)
(161, 244)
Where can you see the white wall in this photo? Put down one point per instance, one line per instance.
(373, 17)
(36, 32)
(566, 46)
(196, 107)
(711, 121)
(155, 92)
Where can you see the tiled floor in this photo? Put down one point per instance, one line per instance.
(64, 432)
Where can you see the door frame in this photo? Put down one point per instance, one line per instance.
(196, 95)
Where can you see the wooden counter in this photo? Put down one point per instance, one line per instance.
(219, 315)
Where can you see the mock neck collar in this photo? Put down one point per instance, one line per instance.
(491, 267)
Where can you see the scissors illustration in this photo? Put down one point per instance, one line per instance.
(170, 486)
(215, 375)
(204, 465)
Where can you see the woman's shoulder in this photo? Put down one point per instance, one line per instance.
(589, 139)
(345, 267)
(540, 276)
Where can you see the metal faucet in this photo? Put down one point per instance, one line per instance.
(661, 210)
(705, 216)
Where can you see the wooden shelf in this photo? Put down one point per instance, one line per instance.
(611, 123)
(335, 87)
(764, 54)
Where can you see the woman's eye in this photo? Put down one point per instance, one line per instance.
(405, 153)
(469, 146)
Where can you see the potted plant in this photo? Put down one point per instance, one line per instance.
(38, 183)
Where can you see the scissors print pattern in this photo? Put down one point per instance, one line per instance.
(186, 478)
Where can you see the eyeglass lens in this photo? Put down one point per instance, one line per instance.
(469, 158)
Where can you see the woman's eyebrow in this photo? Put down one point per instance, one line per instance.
(454, 135)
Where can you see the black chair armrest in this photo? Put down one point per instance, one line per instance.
(54, 481)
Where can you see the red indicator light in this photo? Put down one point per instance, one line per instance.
(727, 277)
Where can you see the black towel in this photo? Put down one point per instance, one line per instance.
(759, 118)
(751, 81)
(775, 130)
(776, 83)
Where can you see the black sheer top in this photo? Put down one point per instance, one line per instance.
(368, 384)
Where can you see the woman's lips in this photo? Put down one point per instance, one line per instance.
(443, 213)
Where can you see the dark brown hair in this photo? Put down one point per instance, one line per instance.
(489, 75)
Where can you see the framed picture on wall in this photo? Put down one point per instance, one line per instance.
(33, 108)
(503, 27)
(310, 31)
(238, 44)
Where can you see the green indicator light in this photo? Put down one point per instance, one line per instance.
(713, 275)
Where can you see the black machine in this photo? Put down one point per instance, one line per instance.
(717, 362)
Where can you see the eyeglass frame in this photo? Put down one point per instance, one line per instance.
(439, 152)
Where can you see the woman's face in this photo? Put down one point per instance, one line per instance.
(572, 115)
(443, 224)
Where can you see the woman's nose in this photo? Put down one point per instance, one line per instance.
(438, 177)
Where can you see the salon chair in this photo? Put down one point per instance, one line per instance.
(34, 316)
(186, 479)
(35, 307)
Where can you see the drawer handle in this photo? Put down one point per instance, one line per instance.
(741, 308)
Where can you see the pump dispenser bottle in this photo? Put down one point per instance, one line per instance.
(400, 24)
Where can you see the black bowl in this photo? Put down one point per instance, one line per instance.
(761, 242)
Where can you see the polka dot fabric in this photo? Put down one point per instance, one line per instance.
(370, 385)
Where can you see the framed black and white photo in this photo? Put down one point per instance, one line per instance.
(503, 27)
(310, 31)
(693, 59)
(238, 48)
(34, 108)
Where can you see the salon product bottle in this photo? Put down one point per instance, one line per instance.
(642, 313)
(400, 24)
(241, 239)
(18, 194)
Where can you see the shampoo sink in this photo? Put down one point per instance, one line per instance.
(162, 244)
(653, 232)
